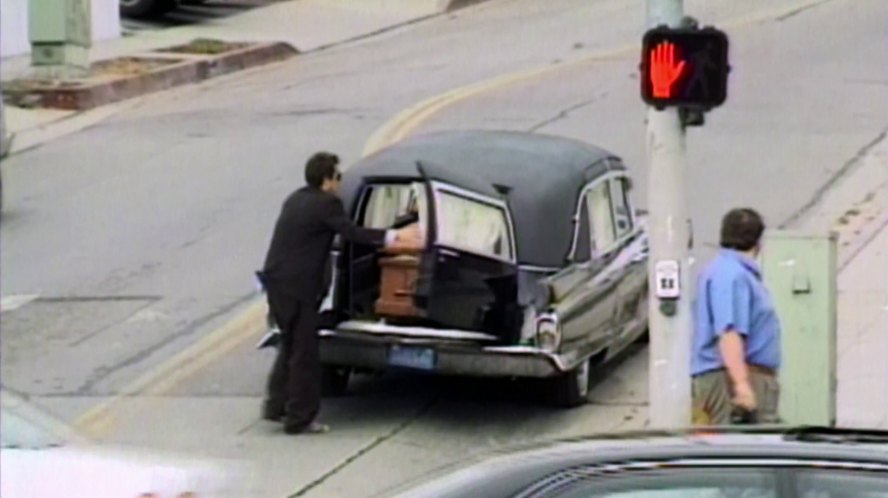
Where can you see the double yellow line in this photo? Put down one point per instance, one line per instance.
(408, 120)
(100, 420)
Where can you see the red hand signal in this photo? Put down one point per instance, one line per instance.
(664, 71)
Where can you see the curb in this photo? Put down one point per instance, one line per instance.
(202, 68)
(29, 139)
(186, 70)
(239, 60)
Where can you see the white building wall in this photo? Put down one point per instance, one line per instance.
(14, 24)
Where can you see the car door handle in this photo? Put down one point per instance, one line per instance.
(448, 253)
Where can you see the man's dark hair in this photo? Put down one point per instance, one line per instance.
(741, 229)
(320, 167)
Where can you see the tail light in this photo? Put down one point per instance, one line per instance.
(548, 332)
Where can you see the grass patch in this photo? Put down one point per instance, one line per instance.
(205, 46)
(128, 66)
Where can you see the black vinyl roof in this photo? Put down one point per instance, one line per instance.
(543, 175)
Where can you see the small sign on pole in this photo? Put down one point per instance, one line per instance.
(667, 278)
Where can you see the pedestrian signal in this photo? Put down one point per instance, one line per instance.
(684, 67)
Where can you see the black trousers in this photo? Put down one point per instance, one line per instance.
(294, 384)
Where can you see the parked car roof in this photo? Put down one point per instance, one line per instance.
(542, 174)
(508, 472)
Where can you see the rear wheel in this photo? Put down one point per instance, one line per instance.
(334, 380)
(572, 388)
(145, 8)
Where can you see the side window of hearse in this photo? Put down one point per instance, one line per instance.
(622, 207)
(583, 251)
(599, 204)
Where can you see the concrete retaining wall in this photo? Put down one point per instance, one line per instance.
(14, 24)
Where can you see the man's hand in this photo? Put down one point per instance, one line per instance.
(732, 348)
(409, 237)
(744, 396)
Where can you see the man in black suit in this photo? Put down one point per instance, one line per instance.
(294, 280)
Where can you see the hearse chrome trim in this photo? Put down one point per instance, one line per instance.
(548, 331)
(370, 350)
(556, 359)
(538, 269)
(383, 328)
(327, 303)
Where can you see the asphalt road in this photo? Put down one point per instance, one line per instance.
(137, 237)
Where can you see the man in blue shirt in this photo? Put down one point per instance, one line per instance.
(736, 344)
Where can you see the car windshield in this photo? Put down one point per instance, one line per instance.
(688, 483)
(818, 483)
(717, 483)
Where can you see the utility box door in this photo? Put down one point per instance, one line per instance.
(60, 21)
(800, 272)
(46, 21)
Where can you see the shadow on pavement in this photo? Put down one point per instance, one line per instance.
(529, 392)
(194, 12)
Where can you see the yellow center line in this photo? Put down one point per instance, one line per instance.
(100, 420)
(408, 120)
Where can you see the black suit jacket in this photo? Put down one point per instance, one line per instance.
(300, 246)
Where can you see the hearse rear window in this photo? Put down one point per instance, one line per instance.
(387, 203)
(473, 225)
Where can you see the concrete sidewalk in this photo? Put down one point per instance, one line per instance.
(307, 25)
(862, 396)
(856, 208)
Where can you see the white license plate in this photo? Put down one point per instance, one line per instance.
(410, 357)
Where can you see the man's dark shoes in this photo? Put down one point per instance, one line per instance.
(312, 428)
(273, 412)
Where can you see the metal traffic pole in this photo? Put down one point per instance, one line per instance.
(669, 306)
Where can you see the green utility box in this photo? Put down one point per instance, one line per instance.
(61, 34)
(800, 271)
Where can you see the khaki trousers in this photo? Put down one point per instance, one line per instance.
(712, 397)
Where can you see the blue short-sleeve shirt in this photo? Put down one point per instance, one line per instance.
(732, 296)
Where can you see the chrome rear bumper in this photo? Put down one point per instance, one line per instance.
(367, 345)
